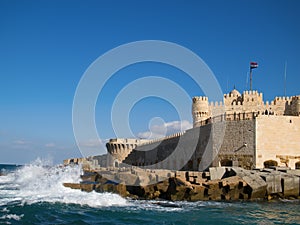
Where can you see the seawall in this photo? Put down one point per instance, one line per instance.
(219, 183)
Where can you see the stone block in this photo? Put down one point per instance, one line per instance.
(217, 172)
(294, 172)
(88, 187)
(197, 193)
(290, 185)
(89, 176)
(273, 181)
(198, 174)
(142, 181)
(72, 185)
(163, 186)
(206, 175)
(181, 174)
(257, 186)
(198, 180)
(127, 178)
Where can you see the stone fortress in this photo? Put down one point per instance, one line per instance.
(257, 134)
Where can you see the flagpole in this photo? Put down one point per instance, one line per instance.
(285, 65)
(250, 79)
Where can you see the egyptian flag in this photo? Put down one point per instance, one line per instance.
(253, 65)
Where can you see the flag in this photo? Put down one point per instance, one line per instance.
(253, 65)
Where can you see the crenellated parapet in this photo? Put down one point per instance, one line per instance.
(243, 104)
(119, 148)
(157, 140)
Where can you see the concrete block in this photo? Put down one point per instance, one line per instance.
(258, 187)
(290, 185)
(294, 172)
(127, 178)
(273, 181)
(181, 174)
(217, 172)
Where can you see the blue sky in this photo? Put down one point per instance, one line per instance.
(46, 46)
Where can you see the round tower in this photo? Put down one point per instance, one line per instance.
(296, 108)
(200, 110)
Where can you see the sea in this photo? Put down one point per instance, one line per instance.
(34, 194)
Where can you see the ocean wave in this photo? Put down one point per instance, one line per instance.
(39, 182)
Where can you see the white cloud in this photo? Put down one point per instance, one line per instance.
(21, 142)
(50, 145)
(165, 129)
(92, 143)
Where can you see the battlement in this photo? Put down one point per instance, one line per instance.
(247, 102)
(157, 140)
(252, 93)
(200, 98)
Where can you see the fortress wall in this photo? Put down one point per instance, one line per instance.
(278, 139)
(173, 153)
(238, 145)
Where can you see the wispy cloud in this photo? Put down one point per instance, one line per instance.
(92, 143)
(50, 145)
(162, 130)
(21, 142)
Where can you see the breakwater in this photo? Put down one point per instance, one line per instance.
(219, 183)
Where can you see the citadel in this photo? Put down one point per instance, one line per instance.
(242, 131)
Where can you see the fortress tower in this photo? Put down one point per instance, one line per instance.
(200, 110)
(295, 105)
(243, 106)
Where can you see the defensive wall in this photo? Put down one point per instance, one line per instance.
(250, 140)
(257, 134)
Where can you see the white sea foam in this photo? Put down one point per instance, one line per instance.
(12, 216)
(39, 182)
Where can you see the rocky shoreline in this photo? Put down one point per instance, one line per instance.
(219, 183)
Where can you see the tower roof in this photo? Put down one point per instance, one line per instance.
(235, 92)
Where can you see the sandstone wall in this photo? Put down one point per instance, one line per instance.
(238, 144)
(278, 139)
(173, 153)
(201, 147)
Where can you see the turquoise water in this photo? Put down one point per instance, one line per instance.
(34, 194)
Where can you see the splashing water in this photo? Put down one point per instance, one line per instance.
(40, 182)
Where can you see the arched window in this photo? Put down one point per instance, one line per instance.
(269, 163)
(297, 165)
